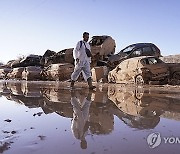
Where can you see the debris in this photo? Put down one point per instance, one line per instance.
(39, 114)
(8, 120)
(13, 132)
(32, 73)
(31, 60)
(16, 73)
(42, 137)
(99, 73)
(58, 72)
(3, 147)
(5, 132)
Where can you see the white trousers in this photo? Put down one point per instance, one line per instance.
(84, 67)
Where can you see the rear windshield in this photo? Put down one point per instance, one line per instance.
(151, 61)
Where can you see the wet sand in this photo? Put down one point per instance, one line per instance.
(46, 117)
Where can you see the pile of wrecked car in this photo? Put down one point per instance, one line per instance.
(138, 63)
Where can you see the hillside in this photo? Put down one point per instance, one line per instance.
(171, 58)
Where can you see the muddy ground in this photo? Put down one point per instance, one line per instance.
(47, 117)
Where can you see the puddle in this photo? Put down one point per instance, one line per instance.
(46, 117)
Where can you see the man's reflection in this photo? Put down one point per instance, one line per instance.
(79, 126)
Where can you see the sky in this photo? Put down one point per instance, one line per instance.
(33, 26)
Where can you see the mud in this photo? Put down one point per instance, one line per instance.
(47, 117)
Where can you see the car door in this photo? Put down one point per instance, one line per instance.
(121, 71)
(132, 69)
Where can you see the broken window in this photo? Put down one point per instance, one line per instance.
(151, 61)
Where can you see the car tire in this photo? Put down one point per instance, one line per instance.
(139, 80)
(111, 79)
(164, 81)
(176, 75)
(139, 92)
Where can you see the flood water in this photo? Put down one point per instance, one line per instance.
(48, 118)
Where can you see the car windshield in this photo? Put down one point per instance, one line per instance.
(151, 61)
(127, 50)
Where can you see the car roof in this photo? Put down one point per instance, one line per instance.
(100, 36)
(137, 45)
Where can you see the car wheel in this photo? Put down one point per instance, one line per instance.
(164, 81)
(176, 75)
(139, 79)
(112, 79)
(139, 92)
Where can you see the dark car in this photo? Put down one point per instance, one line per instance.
(134, 50)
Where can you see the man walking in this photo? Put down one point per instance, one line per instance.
(82, 56)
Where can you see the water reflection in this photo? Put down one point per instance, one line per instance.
(80, 121)
(94, 112)
(141, 108)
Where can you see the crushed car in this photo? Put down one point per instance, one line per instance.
(58, 72)
(31, 60)
(134, 50)
(51, 57)
(140, 70)
(32, 73)
(101, 47)
(4, 72)
(15, 73)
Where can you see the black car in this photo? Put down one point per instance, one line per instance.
(134, 50)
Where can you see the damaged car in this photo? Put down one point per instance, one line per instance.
(102, 45)
(140, 70)
(134, 50)
(31, 60)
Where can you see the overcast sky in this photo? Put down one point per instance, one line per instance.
(33, 26)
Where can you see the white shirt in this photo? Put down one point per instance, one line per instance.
(80, 53)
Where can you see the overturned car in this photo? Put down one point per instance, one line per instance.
(140, 70)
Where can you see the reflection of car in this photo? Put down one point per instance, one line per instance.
(134, 50)
(139, 70)
(135, 112)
